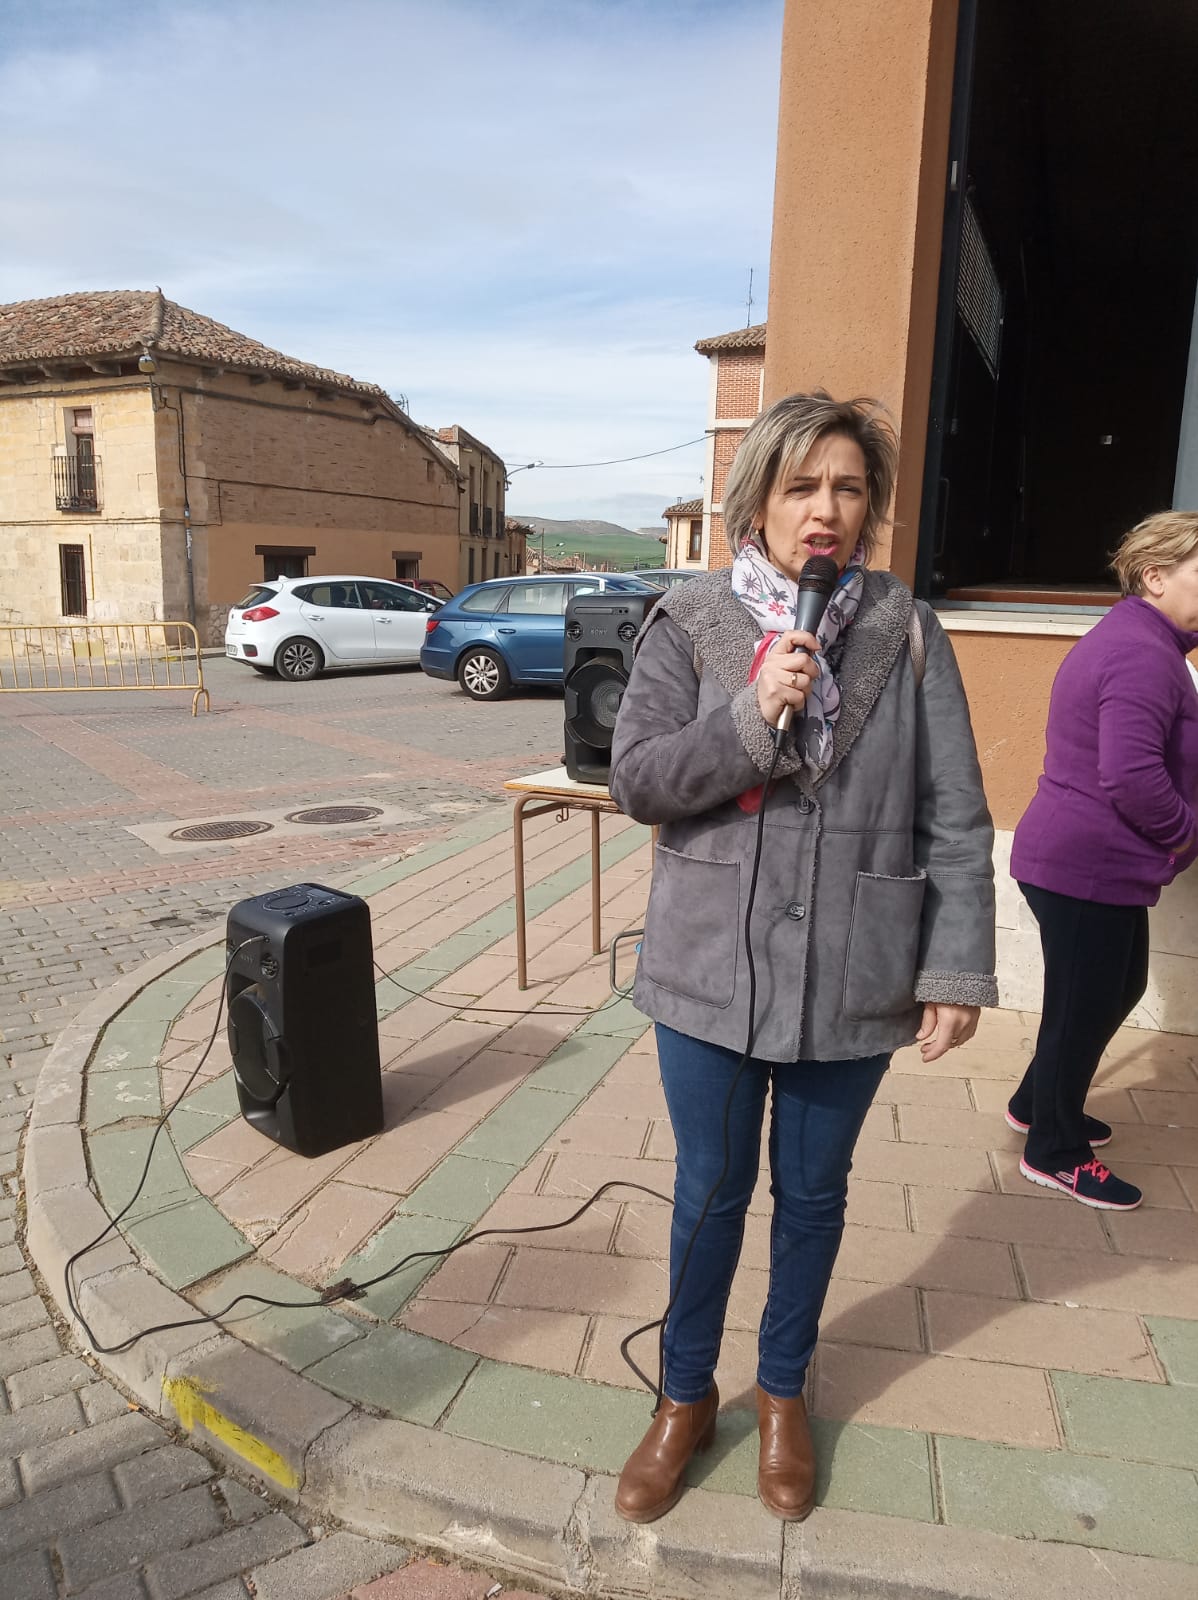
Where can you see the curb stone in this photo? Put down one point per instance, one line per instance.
(854, 1555)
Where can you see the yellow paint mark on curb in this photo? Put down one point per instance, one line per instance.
(195, 1411)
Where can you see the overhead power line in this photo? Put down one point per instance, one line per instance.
(619, 461)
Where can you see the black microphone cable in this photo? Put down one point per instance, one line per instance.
(346, 1289)
(656, 1389)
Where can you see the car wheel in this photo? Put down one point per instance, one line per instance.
(298, 659)
(483, 675)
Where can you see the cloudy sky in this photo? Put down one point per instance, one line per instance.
(517, 214)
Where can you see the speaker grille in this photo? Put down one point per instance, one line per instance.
(598, 686)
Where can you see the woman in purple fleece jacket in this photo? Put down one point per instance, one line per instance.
(1112, 822)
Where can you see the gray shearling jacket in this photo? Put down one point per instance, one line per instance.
(876, 890)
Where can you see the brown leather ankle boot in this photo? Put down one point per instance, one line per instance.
(651, 1481)
(786, 1469)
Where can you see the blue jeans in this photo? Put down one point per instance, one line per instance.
(816, 1114)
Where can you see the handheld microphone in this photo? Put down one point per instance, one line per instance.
(817, 580)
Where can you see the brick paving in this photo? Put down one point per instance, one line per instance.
(96, 1498)
(995, 1360)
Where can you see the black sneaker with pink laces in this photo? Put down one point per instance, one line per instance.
(1093, 1185)
(1097, 1133)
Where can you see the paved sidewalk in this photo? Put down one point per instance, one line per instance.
(1006, 1394)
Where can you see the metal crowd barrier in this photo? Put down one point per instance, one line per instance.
(76, 657)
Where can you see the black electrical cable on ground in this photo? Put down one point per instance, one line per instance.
(346, 1289)
(349, 1290)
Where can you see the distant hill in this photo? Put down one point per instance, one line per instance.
(581, 529)
(605, 543)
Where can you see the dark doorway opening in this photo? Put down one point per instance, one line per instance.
(1067, 294)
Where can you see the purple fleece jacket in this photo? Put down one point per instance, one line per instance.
(1113, 817)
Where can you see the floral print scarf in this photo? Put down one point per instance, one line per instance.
(771, 597)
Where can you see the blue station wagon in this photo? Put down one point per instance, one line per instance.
(510, 630)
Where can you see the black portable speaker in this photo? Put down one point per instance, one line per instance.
(303, 1031)
(600, 629)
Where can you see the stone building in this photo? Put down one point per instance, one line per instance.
(489, 546)
(155, 464)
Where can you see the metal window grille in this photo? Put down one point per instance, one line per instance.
(979, 293)
(76, 482)
(73, 580)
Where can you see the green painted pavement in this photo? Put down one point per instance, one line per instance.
(115, 1096)
(518, 1126)
(204, 1111)
(117, 1160)
(887, 1471)
(1128, 1420)
(404, 1373)
(616, 1019)
(129, 1043)
(578, 1065)
(1176, 1343)
(297, 1337)
(582, 1424)
(188, 1241)
(402, 1236)
(1058, 1496)
(477, 831)
(460, 1188)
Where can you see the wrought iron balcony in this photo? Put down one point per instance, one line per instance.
(77, 483)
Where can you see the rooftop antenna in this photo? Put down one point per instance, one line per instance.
(749, 302)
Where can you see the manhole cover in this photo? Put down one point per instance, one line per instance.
(327, 814)
(206, 832)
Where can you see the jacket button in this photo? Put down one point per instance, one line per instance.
(795, 911)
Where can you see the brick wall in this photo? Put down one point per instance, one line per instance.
(738, 383)
(268, 465)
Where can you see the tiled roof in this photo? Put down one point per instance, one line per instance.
(124, 322)
(684, 508)
(739, 339)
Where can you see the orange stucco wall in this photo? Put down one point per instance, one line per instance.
(1008, 678)
(858, 206)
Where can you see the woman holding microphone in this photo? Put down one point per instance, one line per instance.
(872, 919)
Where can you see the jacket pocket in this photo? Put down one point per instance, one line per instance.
(692, 927)
(883, 947)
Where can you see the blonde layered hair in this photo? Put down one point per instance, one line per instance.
(1159, 541)
(784, 436)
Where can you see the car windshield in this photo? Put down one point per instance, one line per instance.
(257, 596)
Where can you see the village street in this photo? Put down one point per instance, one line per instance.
(84, 899)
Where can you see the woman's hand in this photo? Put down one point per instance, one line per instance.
(787, 674)
(943, 1027)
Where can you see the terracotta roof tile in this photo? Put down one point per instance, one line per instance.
(125, 322)
(684, 508)
(739, 339)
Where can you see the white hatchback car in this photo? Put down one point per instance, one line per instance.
(298, 627)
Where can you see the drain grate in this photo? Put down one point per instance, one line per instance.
(329, 814)
(207, 832)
